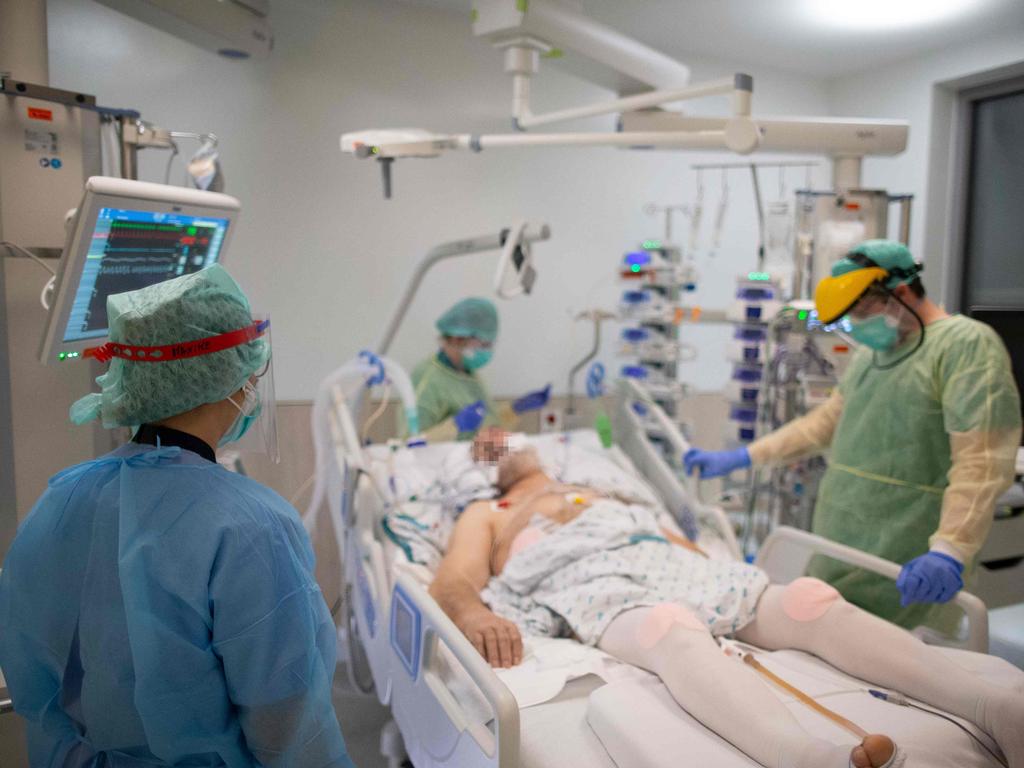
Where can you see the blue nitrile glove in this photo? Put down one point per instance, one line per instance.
(531, 401)
(715, 463)
(471, 417)
(934, 577)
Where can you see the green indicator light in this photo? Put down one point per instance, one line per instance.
(635, 267)
(802, 314)
(650, 245)
(191, 230)
(758, 276)
(61, 356)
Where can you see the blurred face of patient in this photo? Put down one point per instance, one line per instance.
(492, 446)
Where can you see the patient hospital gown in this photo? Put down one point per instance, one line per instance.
(610, 559)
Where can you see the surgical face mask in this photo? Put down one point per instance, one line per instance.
(879, 332)
(475, 358)
(248, 412)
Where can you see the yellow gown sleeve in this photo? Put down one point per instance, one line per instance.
(982, 470)
(442, 432)
(809, 435)
(981, 411)
(506, 417)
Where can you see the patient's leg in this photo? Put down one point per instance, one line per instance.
(812, 616)
(722, 694)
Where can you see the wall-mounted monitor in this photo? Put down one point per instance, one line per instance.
(128, 235)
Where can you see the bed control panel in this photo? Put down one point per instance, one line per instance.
(406, 631)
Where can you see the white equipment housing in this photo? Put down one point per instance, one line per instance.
(232, 28)
(49, 146)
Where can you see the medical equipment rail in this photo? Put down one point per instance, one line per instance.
(450, 706)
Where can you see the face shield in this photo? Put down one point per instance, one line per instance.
(261, 436)
(254, 429)
(881, 321)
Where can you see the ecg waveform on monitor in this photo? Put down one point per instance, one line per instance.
(133, 254)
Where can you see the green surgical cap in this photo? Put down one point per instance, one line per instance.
(888, 254)
(470, 317)
(187, 308)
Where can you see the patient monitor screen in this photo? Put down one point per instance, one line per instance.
(131, 249)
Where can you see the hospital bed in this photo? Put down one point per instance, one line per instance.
(569, 705)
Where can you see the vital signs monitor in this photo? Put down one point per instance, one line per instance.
(127, 235)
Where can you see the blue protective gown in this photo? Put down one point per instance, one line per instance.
(156, 609)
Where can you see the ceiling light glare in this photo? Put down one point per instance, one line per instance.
(886, 14)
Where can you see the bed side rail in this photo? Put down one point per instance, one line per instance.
(787, 551)
(441, 726)
(631, 436)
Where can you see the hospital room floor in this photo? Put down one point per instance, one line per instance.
(361, 719)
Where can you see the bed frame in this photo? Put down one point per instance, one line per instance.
(413, 651)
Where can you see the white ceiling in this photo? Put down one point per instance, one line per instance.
(792, 35)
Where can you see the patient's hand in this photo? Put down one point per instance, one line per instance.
(497, 639)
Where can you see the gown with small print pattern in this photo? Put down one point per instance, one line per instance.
(575, 579)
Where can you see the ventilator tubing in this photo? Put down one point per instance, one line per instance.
(352, 378)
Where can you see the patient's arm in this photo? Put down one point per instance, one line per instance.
(463, 572)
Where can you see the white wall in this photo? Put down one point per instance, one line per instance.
(916, 90)
(319, 247)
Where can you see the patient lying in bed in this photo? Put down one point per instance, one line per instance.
(549, 559)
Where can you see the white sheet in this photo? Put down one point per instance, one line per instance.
(641, 726)
(549, 663)
(429, 486)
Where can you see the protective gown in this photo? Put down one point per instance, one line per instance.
(919, 454)
(160, 610)
(441, 392)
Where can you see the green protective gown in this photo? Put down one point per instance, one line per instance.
(890, 455)
(442, 391)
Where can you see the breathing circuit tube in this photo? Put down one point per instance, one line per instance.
(366, 371)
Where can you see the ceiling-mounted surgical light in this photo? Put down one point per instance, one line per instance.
(885, 14)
